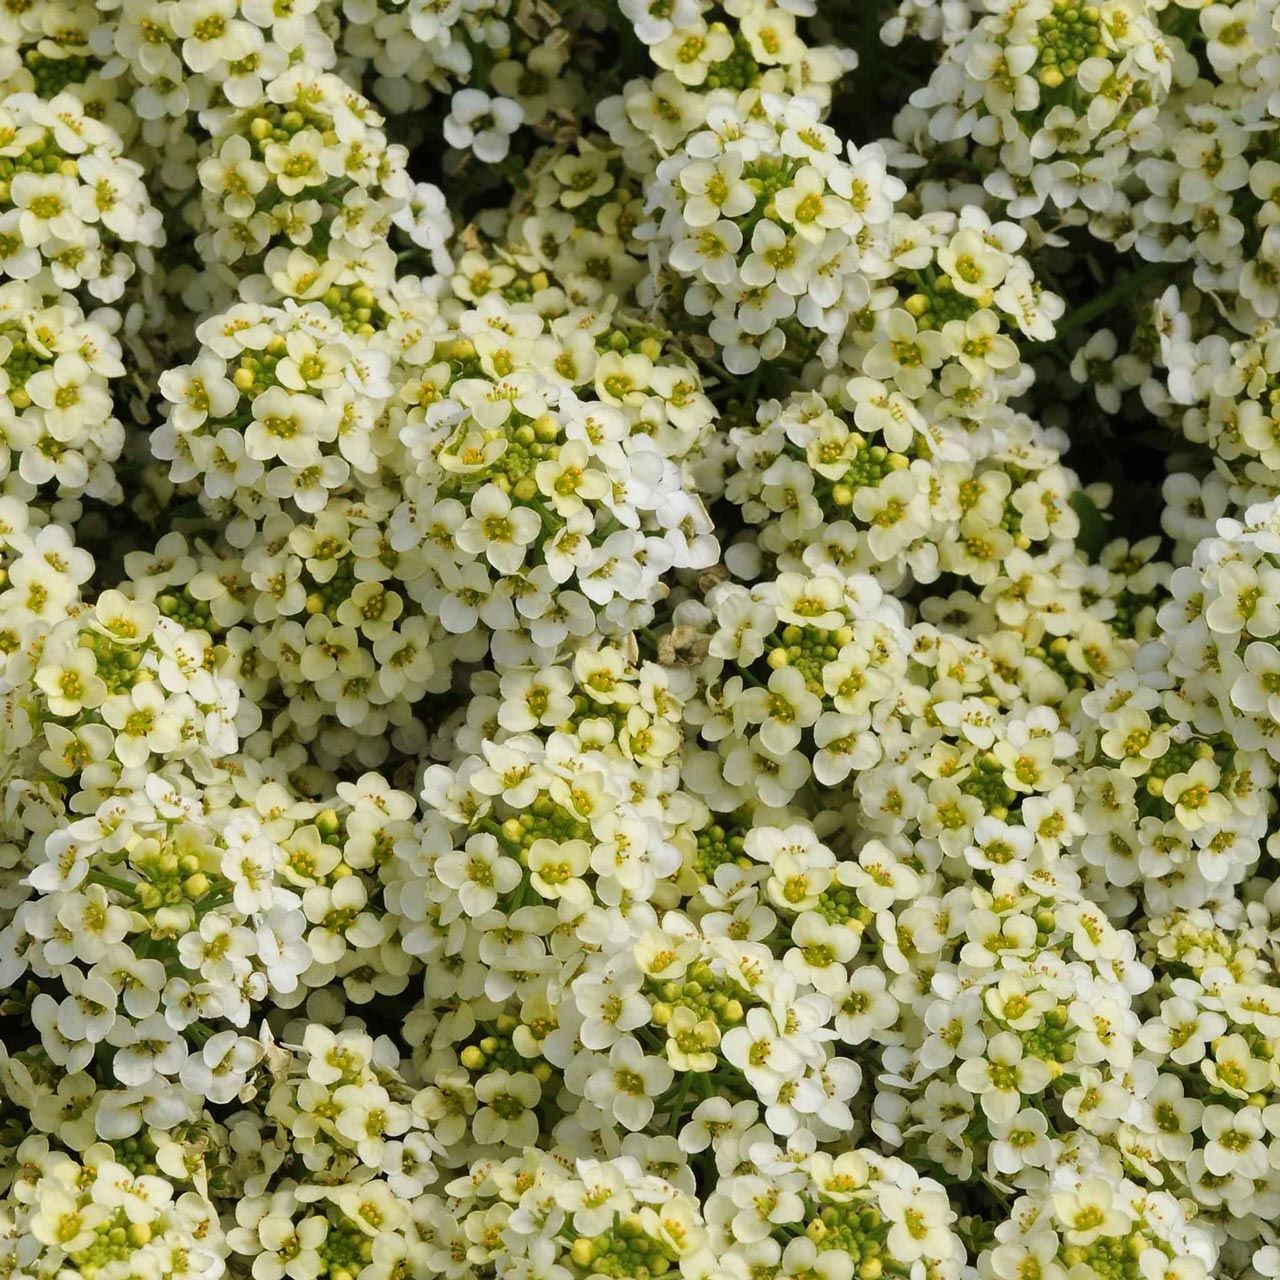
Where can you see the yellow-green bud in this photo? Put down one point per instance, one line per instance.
(196, 886)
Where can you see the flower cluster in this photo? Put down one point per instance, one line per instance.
(306, 163)
(765, 224)
(74, 209)
(1066, 94)
(60, 434)
(93, 1213)
(638, 639)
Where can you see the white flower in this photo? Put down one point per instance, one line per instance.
(498, 529)
(482, 124)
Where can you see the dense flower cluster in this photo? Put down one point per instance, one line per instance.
(74, 209)
(640, 638)
(60, 433)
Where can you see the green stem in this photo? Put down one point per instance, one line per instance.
(677, 1107)
(111, 882)
(518, 896)
(1111, 298)
(219, 899)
